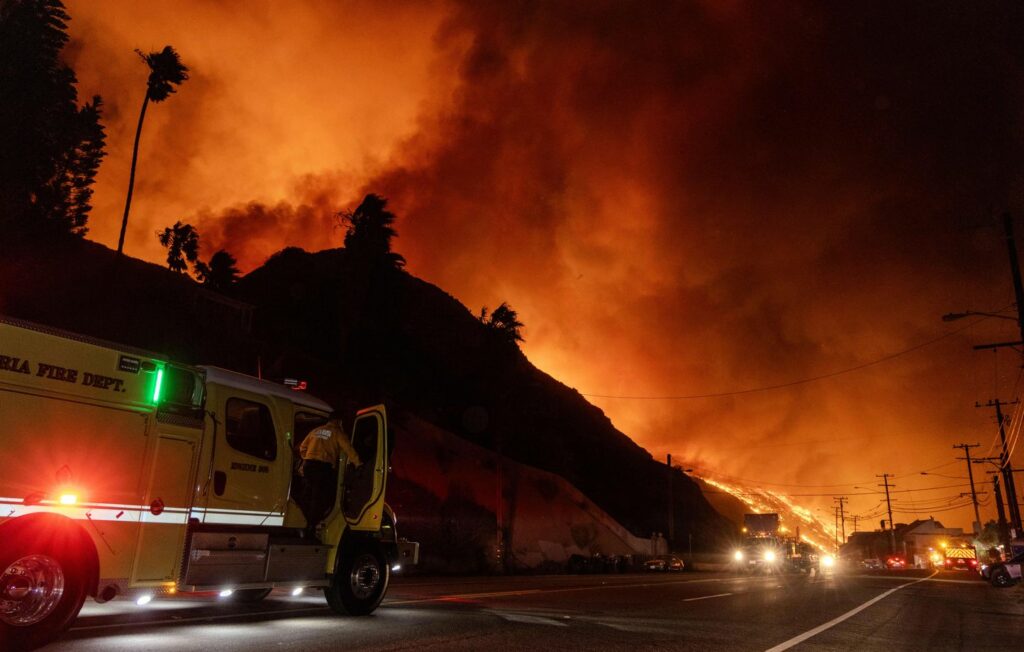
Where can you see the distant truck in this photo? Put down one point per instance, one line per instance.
(761, 525)
(765, 550)
(960, 559)
(128, 475)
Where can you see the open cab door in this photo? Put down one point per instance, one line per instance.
(362, 501)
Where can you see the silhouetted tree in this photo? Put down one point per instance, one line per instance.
(504, 321)
(220, 273)
(182, 242)
(165, 72)
(369, 231)
(50, 148)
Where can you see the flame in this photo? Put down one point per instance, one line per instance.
(813, 530)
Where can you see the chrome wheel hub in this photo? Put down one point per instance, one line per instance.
(365, 577)
(30, 589)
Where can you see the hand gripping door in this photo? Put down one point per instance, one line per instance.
(363, 501)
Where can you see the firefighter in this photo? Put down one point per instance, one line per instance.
(321, 451)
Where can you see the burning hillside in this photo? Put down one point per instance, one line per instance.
(732, 500)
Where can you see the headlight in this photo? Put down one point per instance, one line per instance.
(769, 555)
(738, 555)
(828, 561)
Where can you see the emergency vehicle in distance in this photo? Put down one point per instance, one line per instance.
(765, 550)
(127, 475)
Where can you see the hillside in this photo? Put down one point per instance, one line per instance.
(361, 334)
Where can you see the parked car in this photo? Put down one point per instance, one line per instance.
(1004, 574)
(872, 564)
(664, 563)
(578, 564)
(895, 562)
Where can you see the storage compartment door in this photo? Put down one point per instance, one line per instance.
(164, 515)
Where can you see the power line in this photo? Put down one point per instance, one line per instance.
(733, 478)
(793, 383)
(828, 495)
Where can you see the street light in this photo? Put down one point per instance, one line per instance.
(953, 316)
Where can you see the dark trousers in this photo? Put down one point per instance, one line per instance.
(321, 490)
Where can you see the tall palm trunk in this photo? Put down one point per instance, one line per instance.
(131, 177)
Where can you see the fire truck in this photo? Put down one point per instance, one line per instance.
(125, 475)
(764, 549)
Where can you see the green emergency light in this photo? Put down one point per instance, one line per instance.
(158, 385)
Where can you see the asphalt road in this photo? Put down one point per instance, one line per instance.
(687, 611)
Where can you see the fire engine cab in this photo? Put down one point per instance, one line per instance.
(125, 475)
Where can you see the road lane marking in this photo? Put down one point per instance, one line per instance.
(175, 621)
(796, 640)
(707, 597)
(389, 603)
(531, 620)
(926, 579)
(596, 587)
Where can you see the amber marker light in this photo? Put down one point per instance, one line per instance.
(68, 499)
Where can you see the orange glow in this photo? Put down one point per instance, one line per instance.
(68, 499)
(723, 196)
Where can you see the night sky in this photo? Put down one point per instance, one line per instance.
(678, 198)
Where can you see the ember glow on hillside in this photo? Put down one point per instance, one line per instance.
(678, 198)
(797, 520)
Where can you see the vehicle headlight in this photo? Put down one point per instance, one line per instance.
(769, 555)
(828, 561)
(738, 555)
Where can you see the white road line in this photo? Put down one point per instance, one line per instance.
(532, 620)
(707, 597)
(978, 582)
(175, 621)
(500, 594)
(796, 640)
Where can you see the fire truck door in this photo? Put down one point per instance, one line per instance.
(164, 514)
(248, 483)
(363, 501)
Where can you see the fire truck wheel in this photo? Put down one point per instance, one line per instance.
(360, 582)
(249, 596)
(42, 589)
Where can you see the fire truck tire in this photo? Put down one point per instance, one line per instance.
(42, 588)
(360, 582)
(250, 596)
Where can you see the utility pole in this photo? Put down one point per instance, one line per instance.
(671, 514)
(836, 510)
(1007, 469)
(854, 517)
(970, 475)
(888, 503)
(1004, 534)
(1018, 293)
(842, 516)
(1018, 286)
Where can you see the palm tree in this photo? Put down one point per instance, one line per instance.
(165, 72)
(220, 273)
(369, 231)
(182, 242)
(504, 321)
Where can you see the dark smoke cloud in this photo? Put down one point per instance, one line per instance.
(683, 198)
(254, 231)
